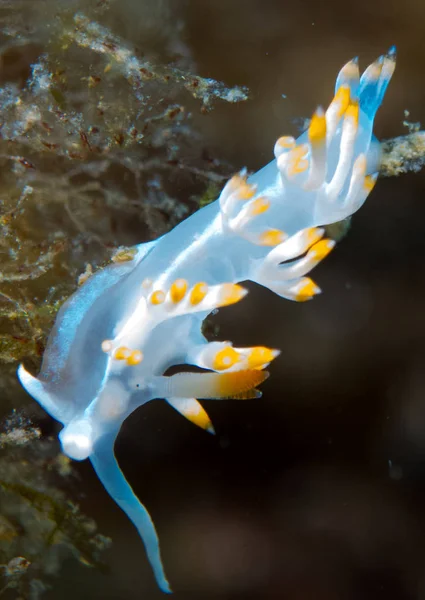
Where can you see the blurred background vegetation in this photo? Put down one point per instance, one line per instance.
(115, 125)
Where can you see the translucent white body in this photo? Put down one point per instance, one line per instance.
(116, 336)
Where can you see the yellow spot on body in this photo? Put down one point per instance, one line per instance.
(352, 112)
(231, 293)
(178, 290)
(157, 297)
(317, 129)
(320, 250)
(122, 353)
(106, 345)
(369, 183)
(226, 358)
(198, 293)
(260, 356)
(342, 99)
(272, 237)
(259, 206)
(307, 290)
(135, 358)
(286, 141)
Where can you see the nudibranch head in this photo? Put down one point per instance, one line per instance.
(327, 174)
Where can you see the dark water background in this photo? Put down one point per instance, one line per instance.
(316, 491)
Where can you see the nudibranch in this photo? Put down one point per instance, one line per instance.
(115, 338)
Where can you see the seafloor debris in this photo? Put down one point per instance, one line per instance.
(89, 34)
(403, 154)
(39, 526)
(97, 149)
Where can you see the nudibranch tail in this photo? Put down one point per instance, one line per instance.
(112, 478)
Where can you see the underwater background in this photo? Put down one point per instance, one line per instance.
(316, 490)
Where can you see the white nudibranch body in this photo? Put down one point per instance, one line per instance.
(114, 339)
